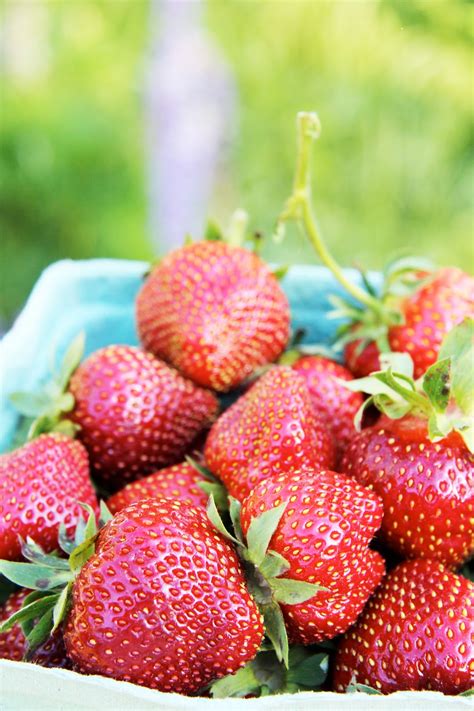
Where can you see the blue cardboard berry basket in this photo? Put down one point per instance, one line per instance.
(97, 296)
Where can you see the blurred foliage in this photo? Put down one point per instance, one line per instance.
(391, 80)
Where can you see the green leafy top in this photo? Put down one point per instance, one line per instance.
(51, 578)
(444, 395)
(263, 568)
(48, 405)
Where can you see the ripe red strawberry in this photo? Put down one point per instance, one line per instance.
(428, 314)
(135, 413)
(415, 633)
(427, 488)
(338, 404)
(41, 484)
(271, 429)
(324, 535)
(179, 482)
(215, 312)
(13, 644)
(162, 602)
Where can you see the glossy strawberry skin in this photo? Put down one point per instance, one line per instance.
(428, 315)
(427, 488)
(415, 633)
(215, 312)
(338, 404)
(271, 429)
(41, 485)
(179, 482)
(324, 535)
(135, 413)
(163, 601)
(13, 644)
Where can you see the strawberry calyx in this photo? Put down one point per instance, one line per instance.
(264, 568)
(266, 674)
(442, 396)
(50, 577)
(368, 314)
(212, 486)
(47, 407)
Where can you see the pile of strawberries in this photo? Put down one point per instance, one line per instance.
(267, 527)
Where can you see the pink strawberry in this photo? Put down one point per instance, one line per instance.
(135, 414)
(415, 633)
(179, 482)
(427, 488)
(13, 643)
(159, 599)
(338, 404)
(270, 430)
(41, 485)
(215, 312)
(324, 535)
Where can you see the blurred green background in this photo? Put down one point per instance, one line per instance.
(391, 80)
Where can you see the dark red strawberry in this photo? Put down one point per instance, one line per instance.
(214, 311)
(427, 315)
(323, 534)
(415, 633)
(41, 485)
(271, 429)
(13, 644)
(135, 413)
(160, 599)
(427, 488)
(338, 404)
(180, 482)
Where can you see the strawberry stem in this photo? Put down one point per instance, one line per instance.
(298, 207)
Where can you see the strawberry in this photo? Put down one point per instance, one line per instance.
(420, 463)
(323, 535)
(214, 311)
(271, 429)
(338, 404)
(160, 599)
(135, 414)
(415, 633)
(180, 482)
(13, 643)
(41, 484)
(427, 315)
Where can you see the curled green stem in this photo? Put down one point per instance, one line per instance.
(299, 208)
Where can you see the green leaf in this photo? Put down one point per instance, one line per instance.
(61, 606)
(218, 493)
(354, 687)
(293, 592)
(235, 508)
(273, 565)
(213, 232)
(275, 630)
(66, 427)
(91, 524)
(30, 404)
(399, 363)
(79, 532)
(281, 272)
(32, 576)
(437, 384)
(105, 515)
(34, 553)
(261, 530)
(237, 228)
(459, 346)
(214, 517)
(82, 553)
(469, 692)
(66, 543)
(393, 408)
(40, 633)
(29, 612)
(237, 685)
(311, 672)
(71, 360)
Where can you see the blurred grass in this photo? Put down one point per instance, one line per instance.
(391, 80)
